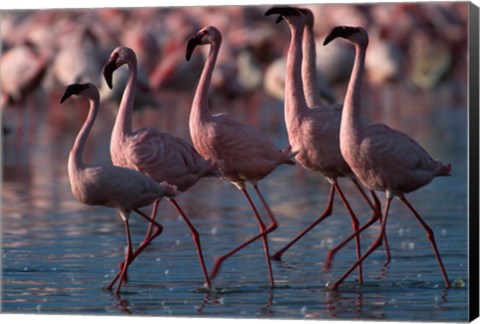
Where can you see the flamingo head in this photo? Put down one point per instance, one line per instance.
(206, 35)
(356, 35)
(81, 89)
(309, 19)
(286, 13)
(120, 56)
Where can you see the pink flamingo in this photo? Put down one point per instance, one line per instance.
(22, 72)
(313, 129)
(161, 156)
(109, 185)
(245, 154)
(382, 158)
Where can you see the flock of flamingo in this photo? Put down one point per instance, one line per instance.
(332, 139)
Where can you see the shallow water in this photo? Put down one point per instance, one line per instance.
(58, 254)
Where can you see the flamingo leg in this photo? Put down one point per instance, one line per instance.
(262, 228)
(196, 240)
(152, 217)
(127, 261)
(355, 227)
(431, 238)
(378, 210)
(218, 262)
(377, 214)
(327, 212)
(139, 250)
(372, 248)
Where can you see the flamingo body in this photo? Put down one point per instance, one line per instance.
(109, 185)
(234, 144)
(382, 158)
(161, 156)
(390, 161)
(244, 154)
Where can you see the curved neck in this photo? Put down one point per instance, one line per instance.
(295, 104)
(123, 122)
(200, 101)
(75, 158)
(351, 114)
(309, 68)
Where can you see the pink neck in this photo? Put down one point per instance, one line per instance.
(75, 158)
(351, 114)
(123, 122)
(309, 68)
(295, 104)
(200, 110)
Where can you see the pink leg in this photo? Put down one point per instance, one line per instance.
(327, 212)
(385, 240)
(218, 262)
(376, 207)
(262, 228)
(127, 261)
(372, 248)
(196, 240)
(355, 230)
(139, 250)
(431, 238)
(152, 217)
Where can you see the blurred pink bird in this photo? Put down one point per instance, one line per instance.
(382, 158)
(23, 69)
(109, 185)
(161, 156)
(313, 128)
(244, 154)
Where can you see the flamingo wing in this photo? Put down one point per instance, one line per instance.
(165, 157)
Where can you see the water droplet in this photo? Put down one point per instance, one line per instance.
(443, 232)
(38, 308)
(419, 275)
(177, 242)
(221, 301)
(166, 272)
(158, 259)
(411, 245)
(303, 310)
(214, 230)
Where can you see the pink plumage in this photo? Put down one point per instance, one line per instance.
(382, 158)
(109, 185)
(161, 156)
(245, 155)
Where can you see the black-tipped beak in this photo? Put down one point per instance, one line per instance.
(283, 11)
(193, 42)
(340, 31)
(108, 70)
(73, 89)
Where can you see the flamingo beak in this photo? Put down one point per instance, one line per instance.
(282, 12)
(339, 31)
(73, 89)
(193, 42)
(108, 70)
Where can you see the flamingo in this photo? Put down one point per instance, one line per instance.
(245, 154)
(23, 69)
(383, 159)
(161, 156)
(109, 185)
(313, 128)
